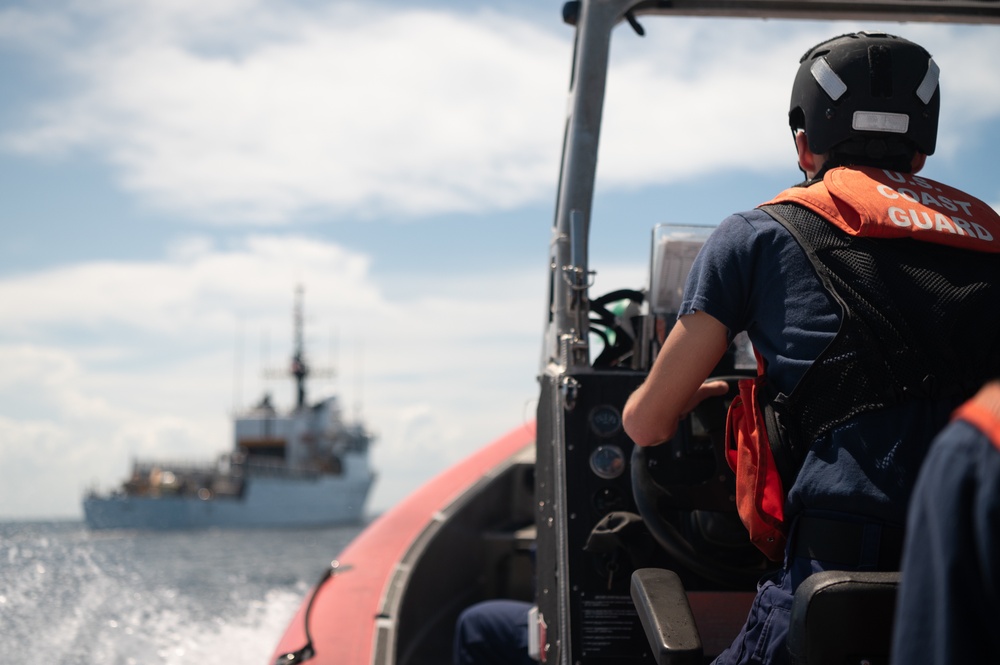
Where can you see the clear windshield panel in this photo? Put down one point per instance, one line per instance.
(675, 247)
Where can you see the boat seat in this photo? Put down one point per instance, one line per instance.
(666, 617)
(838, 617)
(843, 617)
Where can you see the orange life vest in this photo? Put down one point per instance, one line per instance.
(877, 203)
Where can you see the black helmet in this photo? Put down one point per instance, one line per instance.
(855, 88)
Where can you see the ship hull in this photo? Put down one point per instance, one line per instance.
(265, 502)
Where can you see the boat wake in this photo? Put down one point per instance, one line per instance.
(73, 597)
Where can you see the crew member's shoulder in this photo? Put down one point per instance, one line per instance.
(755, 222)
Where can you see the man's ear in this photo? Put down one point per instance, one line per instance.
(807, 158)
(919, 159)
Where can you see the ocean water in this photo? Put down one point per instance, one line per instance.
(70, 596)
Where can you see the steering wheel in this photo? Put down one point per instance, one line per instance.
(685, 492)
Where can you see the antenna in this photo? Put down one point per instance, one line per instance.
(299, 368)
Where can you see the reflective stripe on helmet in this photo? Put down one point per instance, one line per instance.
(832, 84)
(873, 121)
(927, 87)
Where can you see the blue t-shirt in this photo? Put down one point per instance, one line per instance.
(752, 275)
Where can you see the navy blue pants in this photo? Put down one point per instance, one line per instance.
(493, 632)
(764, 637)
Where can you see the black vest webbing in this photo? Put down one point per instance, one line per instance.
(919, 320)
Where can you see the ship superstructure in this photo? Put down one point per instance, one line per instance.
(303, 467)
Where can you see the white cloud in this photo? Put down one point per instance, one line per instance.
(243, 112)
(412, 111)
(714, 95)
(139, 359)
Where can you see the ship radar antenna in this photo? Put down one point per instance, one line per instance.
(299, 368)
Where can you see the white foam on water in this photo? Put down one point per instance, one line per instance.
(73, 598)
(169, 636)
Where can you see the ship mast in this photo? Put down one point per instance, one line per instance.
(299, 368)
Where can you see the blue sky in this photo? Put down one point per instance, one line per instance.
(170, 171)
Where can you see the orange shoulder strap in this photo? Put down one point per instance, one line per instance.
(879, 203)
(983, 411)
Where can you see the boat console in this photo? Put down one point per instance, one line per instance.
(620, 508)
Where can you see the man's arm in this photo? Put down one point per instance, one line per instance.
(675, 384)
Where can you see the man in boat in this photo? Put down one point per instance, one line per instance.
(949, 598)
(869, 295)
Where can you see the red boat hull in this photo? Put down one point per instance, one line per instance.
(345, 609)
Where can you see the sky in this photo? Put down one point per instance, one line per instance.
(171, 171)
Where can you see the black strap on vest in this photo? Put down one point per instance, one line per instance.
(848, 544)
(920, 320)
(787, 458)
